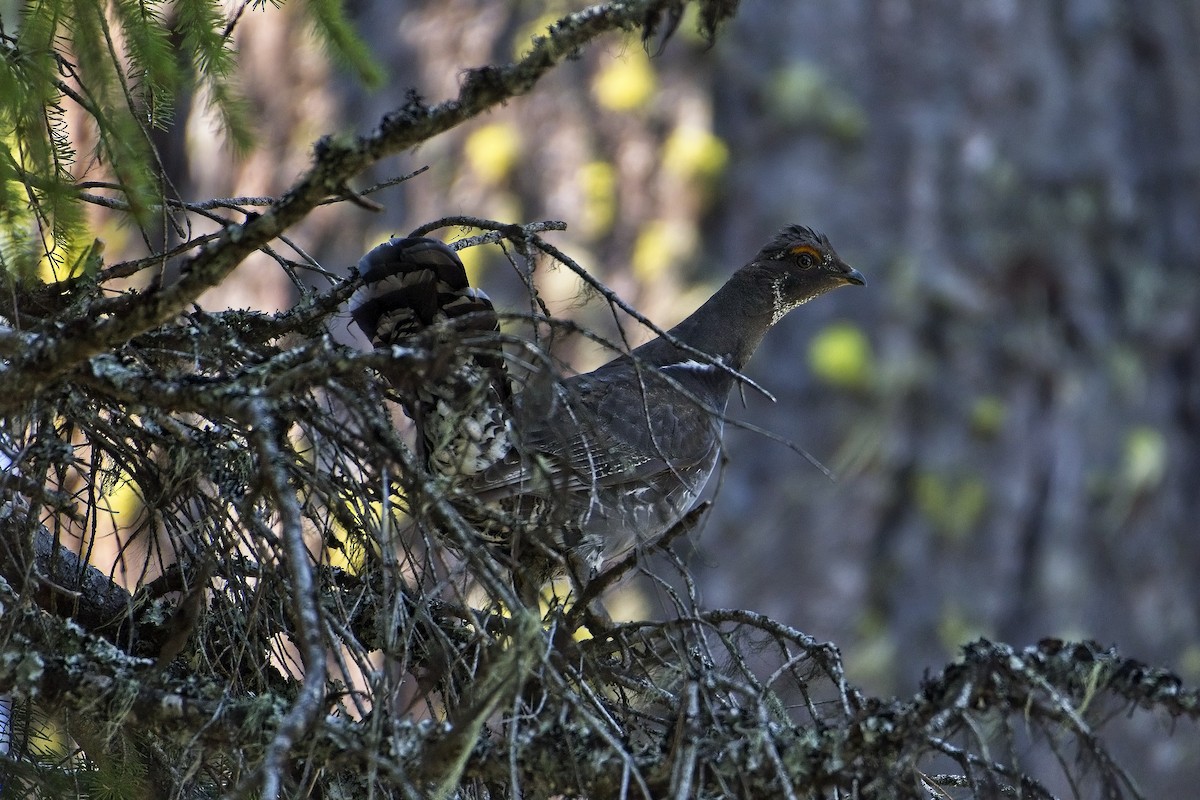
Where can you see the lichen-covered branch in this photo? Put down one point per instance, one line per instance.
(60, 345)
(881, 748)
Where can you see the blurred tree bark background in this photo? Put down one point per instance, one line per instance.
(1013, 407)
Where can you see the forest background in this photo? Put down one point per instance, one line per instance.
(1012, 407)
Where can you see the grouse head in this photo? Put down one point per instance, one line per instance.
(797, 265)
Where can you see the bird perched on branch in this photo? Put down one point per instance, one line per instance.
(597, 461)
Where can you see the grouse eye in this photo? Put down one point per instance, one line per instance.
(806, 256)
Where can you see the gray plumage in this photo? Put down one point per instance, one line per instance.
(603, 459)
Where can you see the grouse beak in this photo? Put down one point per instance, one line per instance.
(851, 275)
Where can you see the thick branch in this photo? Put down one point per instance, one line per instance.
(60, 347)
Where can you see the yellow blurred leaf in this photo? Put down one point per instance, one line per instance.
(492, 151)
(523, 39)
(659, 245)
(803, 94)
(694, 153)
(987, 415)
(955, 628)
(841, 356)
(625, 84)
(598, 184)
(474, 261)
(954, 506)
(122, 499)
(1145, 458)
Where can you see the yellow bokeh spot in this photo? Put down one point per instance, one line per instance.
(69, 259)
(349, 556)
(598, 185)
(803, 94)
(954, 506)
(492, 151)
(841, 355)
(694, 153)
(1145, 458)
(524, 38)
(368, 527)
(474, 260)
(799, 91)
(626, 83)
(50, 271)
(987, 415)
(122, 500)
(659, 245)
(955, 629)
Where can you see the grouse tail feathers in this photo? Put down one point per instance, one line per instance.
(461, 406)
(412, 284)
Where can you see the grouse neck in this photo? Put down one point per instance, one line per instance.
(729, 326)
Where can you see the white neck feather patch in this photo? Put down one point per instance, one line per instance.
(780, 307)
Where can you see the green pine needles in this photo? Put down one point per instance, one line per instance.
(120, 67)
